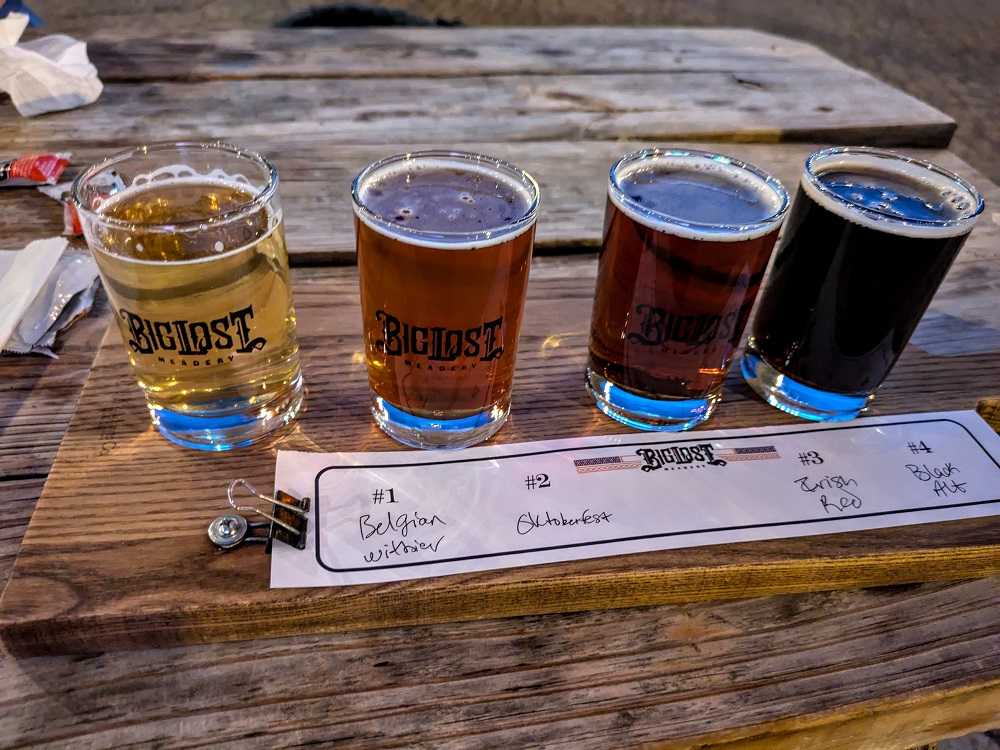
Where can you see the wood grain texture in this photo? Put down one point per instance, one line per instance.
(93, 575)
(769, 107)
(17, 503)
(885, 667)
(671, 85)
(316, 179)
(38, 396)
(445, 53)
(881, 668)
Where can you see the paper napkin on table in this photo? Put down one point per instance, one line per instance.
(43, 288)
(12, 27)
(47, 74)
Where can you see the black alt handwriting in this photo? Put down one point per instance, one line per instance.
(946, 487)
(403, 524)
(528, 522)
(834, 492)
(926, 473)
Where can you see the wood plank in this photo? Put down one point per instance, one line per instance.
(92, 576)
(17, 502)
(316, 179)
(765, 107)
(38, 396)
(370, 86)
(445, 52)
(874, 668)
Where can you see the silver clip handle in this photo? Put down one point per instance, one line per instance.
(278, 503)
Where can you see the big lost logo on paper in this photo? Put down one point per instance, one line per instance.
(689, 456)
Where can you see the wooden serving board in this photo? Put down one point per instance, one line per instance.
(116, 555)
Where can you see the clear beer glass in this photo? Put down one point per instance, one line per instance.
(868, 241)
(687, 236)
(190, 245)
(444, 246)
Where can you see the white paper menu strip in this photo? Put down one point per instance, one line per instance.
(379, 517)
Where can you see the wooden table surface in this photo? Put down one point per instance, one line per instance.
(872, 667)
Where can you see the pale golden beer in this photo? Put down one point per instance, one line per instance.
(191, 248)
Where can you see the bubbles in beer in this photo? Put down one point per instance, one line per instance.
(437, 197)
(898, 196)
(176, 204)
(707, 197)
(903, 199)
(174, 283)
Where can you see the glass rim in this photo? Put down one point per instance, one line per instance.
(811, 176)
(251, 206)
(510, 229)
(735, 230)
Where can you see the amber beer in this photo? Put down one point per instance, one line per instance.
(444, 246)
(687, 237)
(194, 263)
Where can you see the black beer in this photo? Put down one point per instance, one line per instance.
(867, 243)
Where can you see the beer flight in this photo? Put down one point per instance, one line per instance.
(190, 245)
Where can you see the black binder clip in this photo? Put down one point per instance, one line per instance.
(287, 524)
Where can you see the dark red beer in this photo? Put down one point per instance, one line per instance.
(687, 239)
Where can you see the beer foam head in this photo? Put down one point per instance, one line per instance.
(697, 195)
(181, 220)
(891, 193)
(446, 200)
(177, 202)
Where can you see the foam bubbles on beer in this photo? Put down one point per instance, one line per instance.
(440, 203)
(697, 197)
(179, 203)
(895, 196)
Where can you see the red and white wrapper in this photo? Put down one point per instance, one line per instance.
(40, 169)
(61, 193)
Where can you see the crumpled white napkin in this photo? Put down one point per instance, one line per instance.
(47, 74)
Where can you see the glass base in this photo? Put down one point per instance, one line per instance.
(795, 398)
(438, 433)
(228, 430)
(648, 413)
